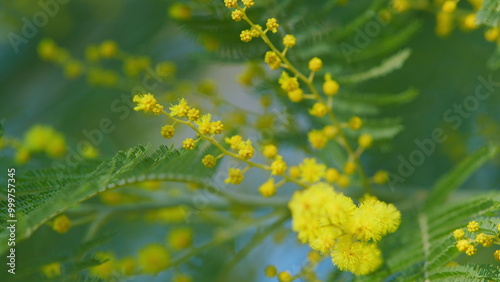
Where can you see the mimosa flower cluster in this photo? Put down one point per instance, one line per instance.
(473, 236)
(332, 224)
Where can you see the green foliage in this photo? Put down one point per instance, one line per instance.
(451, 181)
(425, 244)
(49, 192)
(489, 13)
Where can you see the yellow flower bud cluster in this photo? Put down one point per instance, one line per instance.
(470, 237)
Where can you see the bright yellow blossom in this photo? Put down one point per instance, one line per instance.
(272, 60)
(315, 64)
(246, 150)
(359, 258)
(272, 25)
(310, 171)
(209, 161)
(278, 167)
(268, 189)
(61, 224)
(270, 151)
(154, 258)
(317, 138)
(289, 40)
(235, 176)
(234, 141)
(168, 131)
(473, 226)
(288, 83)
(147, 103)
(188, 144)
(296, 95)
(105, 269)
(318, 110)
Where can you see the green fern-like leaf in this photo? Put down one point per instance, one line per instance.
(489, 14)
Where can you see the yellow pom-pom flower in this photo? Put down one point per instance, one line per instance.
(359, 258)
(270, 151)
(284, 276)
(272, 25)
(235, 176)
(473, 226)
(188, 144)
(288, 83)
(237, 15)
(168, 131)
(315, 64)
(154, 258)
(209, 161)
(52, 270)
(332, 175)
(278, 167)
(246, 35)
(246, 150)
(180, 238)
(296, 95)
(310, 171)
(330, 86)
(459, 234)
(234, 141)
(365, 140)
(147, 103)
(268, 189)
(231, 3)
(272, 60)
(61, 224)
(355, 123)
(318, 110)
(270, 271)
(289, 40)
(317, 138)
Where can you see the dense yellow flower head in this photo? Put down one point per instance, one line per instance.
(294, 172)
(270, 151)
(246, 150)
(237, 15)
(168, 131)
(147, 103)
(246, 35)
(350, 167)
(270, 271)
(320, 209)
(105, 269)
(449, 6)
(288, 83)
(296, 95)
(154, 258)
(278, 166)
(359, 258)
(330, 86)
(332, 175)
(181, 109)
(310, 171)
(355, 123)
(331, 131)
(188, 144)
(268, 189)
(231, 3)
(318, 110)
(459, 234)
(180, 238)
(41, 138)
(374, 219)
(462, 245)
(272, 25)
(108, 49)
(61, 224)
(52, 270)
(365, 140)
(473, 226)
(248, 3)
(234, 141)
(235, 176)
(209, 161)
(272, 60)
(381, 177)
(289, 40)
(285, 276)
(317, 138)
(127, 266)
(315, 64)
(206, 126)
